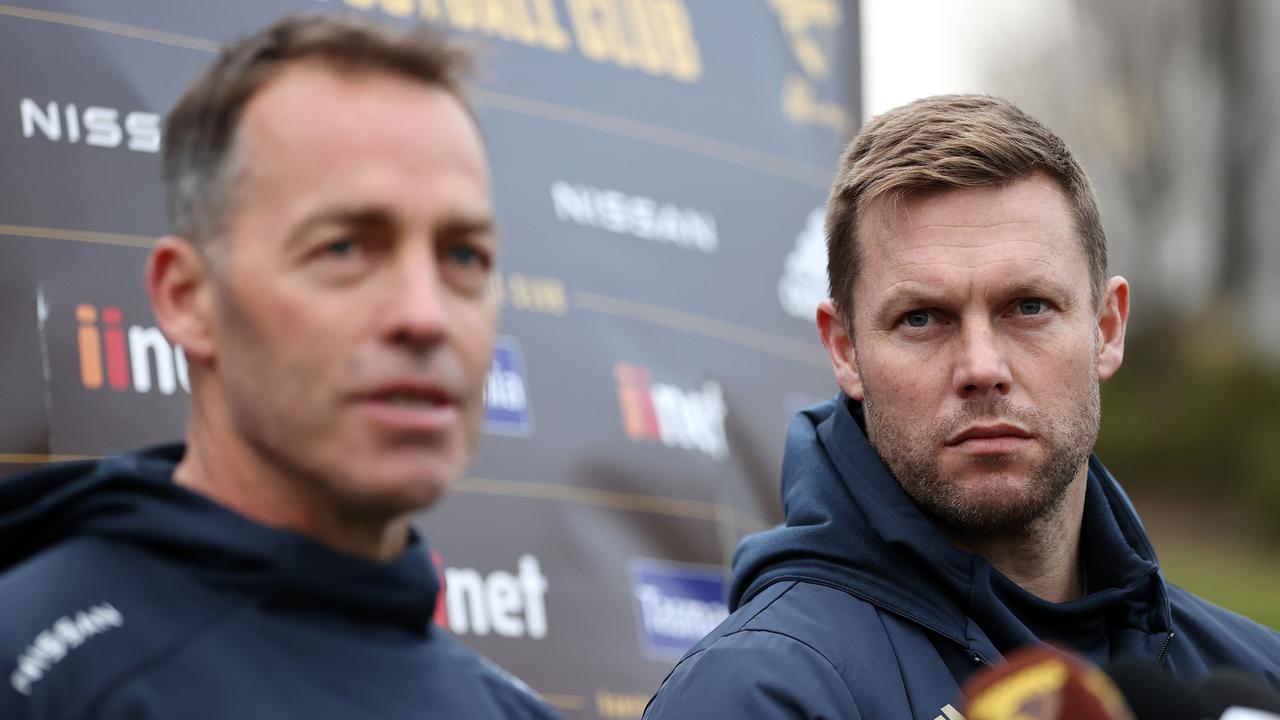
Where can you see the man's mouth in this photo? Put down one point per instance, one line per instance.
(406, 400)
(990, 439)
(411, 407)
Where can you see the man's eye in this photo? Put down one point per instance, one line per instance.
(467, 255)
(1031, 307)
(916, 318)
(463, 255)
(345, 247)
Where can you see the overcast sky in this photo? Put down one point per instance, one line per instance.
(913, 48)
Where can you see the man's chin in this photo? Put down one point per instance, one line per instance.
(992, 502)
(990, 474)
(401, 482)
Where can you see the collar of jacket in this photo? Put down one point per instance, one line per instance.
(850, 525)
(132, 499)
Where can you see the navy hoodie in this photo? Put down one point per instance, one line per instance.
(123, 595)
(857, 607)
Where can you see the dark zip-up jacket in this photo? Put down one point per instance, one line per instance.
(857, 607)
(123, 595)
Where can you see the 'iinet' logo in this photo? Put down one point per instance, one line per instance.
(677, 418)
(505, 603)
(140, 359)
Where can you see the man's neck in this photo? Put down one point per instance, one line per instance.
(1043, 558)
(220, 465)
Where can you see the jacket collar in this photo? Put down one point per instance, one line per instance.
(132, 499)
(849, 524)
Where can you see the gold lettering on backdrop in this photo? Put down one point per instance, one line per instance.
(462, 14)
(800, 20)
(531, 293)
(429, 9)
(547, 27)
(522, 27)
(591, 40)
(652, 36)
(645, 52)
(394, 8)
(623, 32)
(801, 104)
(615, 706)
(399, 8)
(686, 61)
(527, 22)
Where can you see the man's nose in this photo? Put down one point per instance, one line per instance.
(417, 302)
(982, 367)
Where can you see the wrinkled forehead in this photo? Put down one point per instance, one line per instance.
(310, 104)
(1012, 232)
(318, 137)
(307, 112)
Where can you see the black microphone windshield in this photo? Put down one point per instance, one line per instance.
(1154, 694)
(1222, 689)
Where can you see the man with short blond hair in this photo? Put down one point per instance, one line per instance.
(945, 507)
(328, 279)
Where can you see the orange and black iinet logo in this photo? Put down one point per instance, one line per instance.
(688, 419)
(137, 358)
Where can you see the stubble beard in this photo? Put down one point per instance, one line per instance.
(913, 457)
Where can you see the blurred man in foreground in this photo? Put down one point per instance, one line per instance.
(945, 508)
(329, 283)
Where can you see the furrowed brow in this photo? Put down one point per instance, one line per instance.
(356, 215)
(906, 296)
(469, 224)
(912, 295)
(1039, 287)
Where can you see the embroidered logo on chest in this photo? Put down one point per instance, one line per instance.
(53, 644)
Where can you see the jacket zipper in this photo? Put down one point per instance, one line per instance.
(973, 655)
(1163, 650)
(978, 659)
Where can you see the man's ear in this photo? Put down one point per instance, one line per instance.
(839, 345)
(1113, 318)
(180, 286)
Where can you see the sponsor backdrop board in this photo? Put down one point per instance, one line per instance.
(659, 170)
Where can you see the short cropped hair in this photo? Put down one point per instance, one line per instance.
(200, 160)
(949, 141)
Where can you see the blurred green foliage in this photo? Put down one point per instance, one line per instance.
(1195, 416)
(1191, 428)
(1243, 579)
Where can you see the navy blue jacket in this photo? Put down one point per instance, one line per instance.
(123, 595)
(857, 607)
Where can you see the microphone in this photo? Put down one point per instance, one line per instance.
(1154, 694)
(1041, 683)
(1231, 694)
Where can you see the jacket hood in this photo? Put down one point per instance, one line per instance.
(850, 525)
(132, 499)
